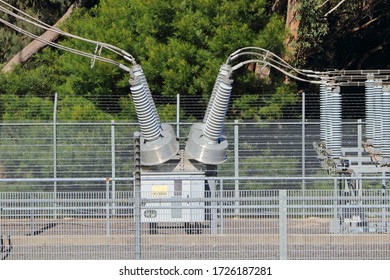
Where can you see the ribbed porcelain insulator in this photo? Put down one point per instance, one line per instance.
(377, 138)
(336, 140)
(138, 72)
(224, 72)
(386, 122)
(323, 112)
(369, 95)
(215, 120)
(150, 128)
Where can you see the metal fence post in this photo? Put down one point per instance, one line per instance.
(283, 224)
(303, 150)
(335, 228)
(236, 167)
(137, 194)
(222, 206)
(113, 167)
(108, 206)
(55, 155)
(178, 115)
(303, 141)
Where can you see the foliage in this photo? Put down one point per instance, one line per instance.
(355, 35)
(268, 164)
(48, 11)
(180, 45)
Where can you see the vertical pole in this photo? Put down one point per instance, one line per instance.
(137, 194)
(213, 211)
(384, 224)
(359, 141)
(107, 206)
(336, 224)
(178, 115)
(222, 205)
(283, 224)
(32, 215)
(303, 141)
(113, 166)
(303, 149)
(55, 154)
(236, 167)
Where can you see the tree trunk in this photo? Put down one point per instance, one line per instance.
(35, 46)
(292, 25)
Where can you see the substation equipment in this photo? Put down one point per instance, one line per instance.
(170, 172)
(176, 178)
(371, 156)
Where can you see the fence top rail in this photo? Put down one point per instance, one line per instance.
(177, 177)
(119, 123)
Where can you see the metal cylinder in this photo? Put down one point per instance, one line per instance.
(335, 142)
(377, 137)
(369, 95)
(215, 121)
(150, 128)
(386, 122)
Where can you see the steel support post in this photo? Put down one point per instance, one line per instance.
(283, 224)
(107, 207)
(137, 194)
(113, 166)
(236, 167)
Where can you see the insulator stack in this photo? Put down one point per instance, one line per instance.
(138, 72)
(158, 143)
(224, 72)
(369, 95)
(377, 90)
(206, 143)
(150, 129)
(328, 114)
(335, 142)
(323, 112)
(386, 122)
(214, 123)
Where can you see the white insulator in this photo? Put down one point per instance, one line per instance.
(369, 95)
(323, 111)
(336, 121)
(377, 138)
(215, 121)
(386, 122)
(150, 128)
(328, 114)
(138, 72)
(224, 72)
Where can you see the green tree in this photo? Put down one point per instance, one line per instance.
(180, 45)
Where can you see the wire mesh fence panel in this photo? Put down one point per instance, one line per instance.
(225, 224)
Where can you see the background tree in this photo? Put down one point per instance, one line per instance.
(180, 45)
